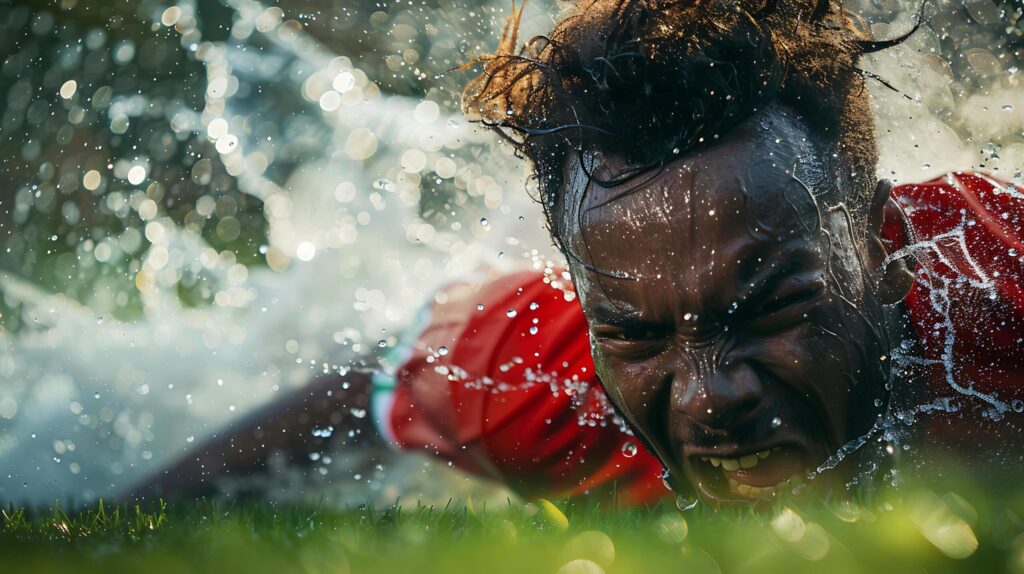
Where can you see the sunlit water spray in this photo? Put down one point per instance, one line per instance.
(90, 404)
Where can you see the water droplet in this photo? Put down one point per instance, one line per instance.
(451, 124)
(511, 313)
(384, 184)
(776, 422)
(683, 503)
(534, 330)
(629, 449)
(1018, 405)
(442, 351)
(1007, 108)
(479, 306)
(382, 343)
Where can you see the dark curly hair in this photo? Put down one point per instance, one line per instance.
(650, 79)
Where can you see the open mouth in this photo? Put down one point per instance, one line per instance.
(759, 475)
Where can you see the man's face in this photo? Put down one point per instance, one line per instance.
(730, 315)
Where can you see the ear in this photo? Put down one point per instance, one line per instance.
(888, 230)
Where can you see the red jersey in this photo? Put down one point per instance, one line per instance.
(501, 382)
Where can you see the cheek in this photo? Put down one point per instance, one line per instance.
(823, 361)
(633, 387)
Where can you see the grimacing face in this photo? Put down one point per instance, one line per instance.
(738, 323)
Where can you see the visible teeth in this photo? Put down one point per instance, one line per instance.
(764, 492)
(748, 461)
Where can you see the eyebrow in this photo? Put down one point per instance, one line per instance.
(618, 315)
(760, 283)
(771, 273)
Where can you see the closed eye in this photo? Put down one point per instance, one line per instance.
(784, 311)
(632, 344)
(790, 300)
(629, 333)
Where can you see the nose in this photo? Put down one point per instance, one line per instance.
(715, 395)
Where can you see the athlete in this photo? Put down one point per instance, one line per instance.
(747, 312)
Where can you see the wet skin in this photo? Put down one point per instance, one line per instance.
(739, 318)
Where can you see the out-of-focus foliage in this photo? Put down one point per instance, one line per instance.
(98, 146)
(102, 139)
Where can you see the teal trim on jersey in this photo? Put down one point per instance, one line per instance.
(382, 390)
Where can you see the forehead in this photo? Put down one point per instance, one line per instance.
(705, 219)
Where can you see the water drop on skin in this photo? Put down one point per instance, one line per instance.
(665, 475)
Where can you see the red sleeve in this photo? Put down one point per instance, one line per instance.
(967, 305)
(501, 383)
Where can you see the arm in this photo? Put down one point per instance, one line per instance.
(513, 396)
(283, 427)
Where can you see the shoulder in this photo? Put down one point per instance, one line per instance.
(958, 201)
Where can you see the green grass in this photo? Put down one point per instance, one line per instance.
(910, 531)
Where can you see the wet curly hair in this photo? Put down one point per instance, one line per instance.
(650, 79)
